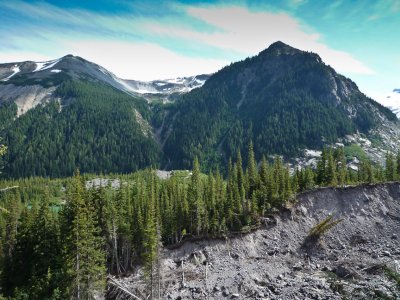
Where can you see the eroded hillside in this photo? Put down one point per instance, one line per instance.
(353, 260)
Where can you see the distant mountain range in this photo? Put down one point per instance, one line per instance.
(68, 113)
(37, 72)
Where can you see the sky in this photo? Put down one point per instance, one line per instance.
(147, 40)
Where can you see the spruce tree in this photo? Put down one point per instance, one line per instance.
(84, 258)
(195, 194)
(240, 179)
(251, 172)
(150, 241)
(390, 170)
(46, 255)
(309, 179)
(321, 168)
(330, 172)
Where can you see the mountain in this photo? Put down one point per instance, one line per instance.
(283, 99)
(51, 73)
(168, 89)
(68, 113)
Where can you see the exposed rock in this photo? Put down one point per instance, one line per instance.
(351, 265)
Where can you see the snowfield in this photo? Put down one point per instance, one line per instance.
(15, 70)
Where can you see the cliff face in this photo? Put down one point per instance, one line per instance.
(274, 262)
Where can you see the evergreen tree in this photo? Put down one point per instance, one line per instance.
(342, 172)
(390, 167)
(84, 258)
(330, 172)
(195, 194)
(321, 168)
(240, 179)
(252, 174)
(308, 179)
(46, 268)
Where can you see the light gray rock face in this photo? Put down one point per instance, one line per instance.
(274, 263)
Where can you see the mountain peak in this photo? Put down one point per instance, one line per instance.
(279, 48)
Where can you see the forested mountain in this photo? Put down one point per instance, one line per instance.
(70, 113)
(283, 99)
(92, 127)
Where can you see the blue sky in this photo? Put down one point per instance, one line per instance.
(163, 39)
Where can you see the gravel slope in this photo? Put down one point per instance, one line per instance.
(274, 263)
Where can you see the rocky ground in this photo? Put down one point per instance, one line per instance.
(351, 261)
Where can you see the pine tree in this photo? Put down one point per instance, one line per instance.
(278, 181)
(252, 174)
(84, 258)
(330, 172)
(321, 168)
(264, 171)
(287, 190)
(263, 186)
(12, 224)
(150, 241)
(308, 179)
(195, 194)
(230, 196)
(3, 150)
(46, 254)
(390, 170)
(342, 173)
(240, 179)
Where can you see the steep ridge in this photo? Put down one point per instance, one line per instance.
(283, 99)
(274, 263)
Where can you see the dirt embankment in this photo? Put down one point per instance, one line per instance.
(351, 261)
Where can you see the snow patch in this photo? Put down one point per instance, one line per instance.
(178, 80)
(15, 70)
(41, 66)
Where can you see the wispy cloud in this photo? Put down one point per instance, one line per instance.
(188, 39)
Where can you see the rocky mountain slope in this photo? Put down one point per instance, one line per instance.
(283, 99)
(166, 90)
(52, 73)
(286, 101)
(352, 261)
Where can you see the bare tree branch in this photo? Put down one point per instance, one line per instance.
(123, 289)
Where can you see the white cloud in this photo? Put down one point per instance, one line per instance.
(17, 56)
(112, 41)
(142, 60)
(250, 32)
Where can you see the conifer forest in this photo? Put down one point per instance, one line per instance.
(61, 238)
